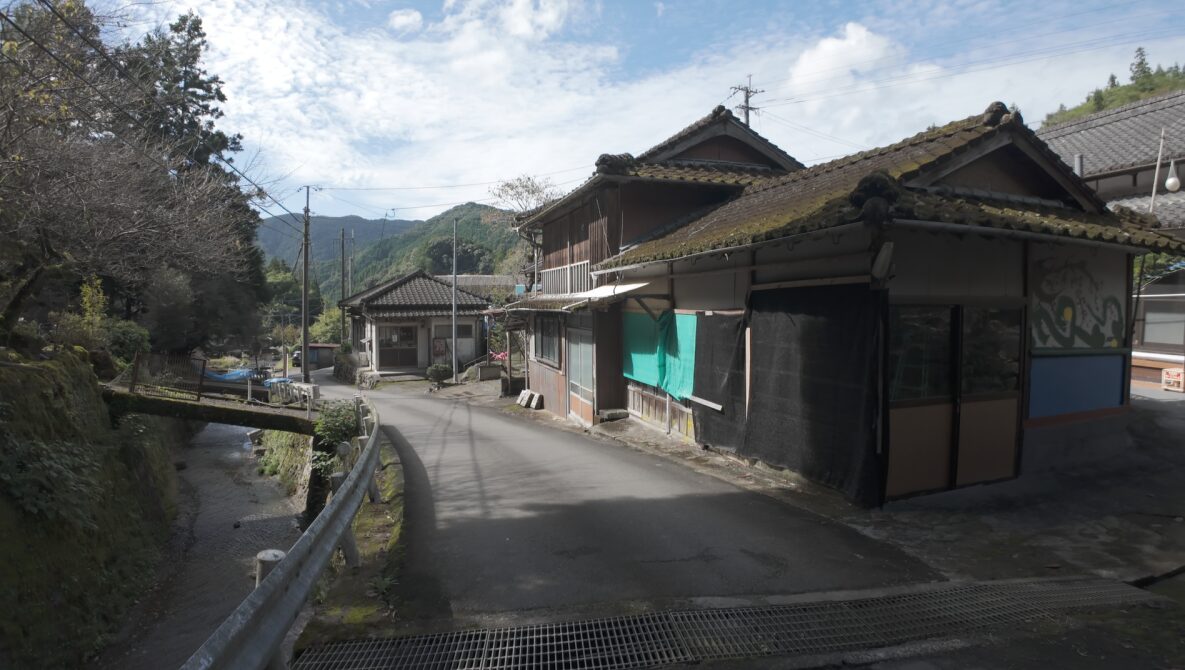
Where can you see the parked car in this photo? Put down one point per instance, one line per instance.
(296, 360)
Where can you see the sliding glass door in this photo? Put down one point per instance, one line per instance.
(954, 395)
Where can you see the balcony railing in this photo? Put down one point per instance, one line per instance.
(572, 278)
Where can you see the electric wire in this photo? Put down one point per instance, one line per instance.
(132, 80)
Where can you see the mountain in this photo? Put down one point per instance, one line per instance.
(324, 232)
(395, 255)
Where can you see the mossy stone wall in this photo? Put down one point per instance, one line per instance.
(75, 558)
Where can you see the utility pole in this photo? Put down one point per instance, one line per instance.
(454, 347)
(350, 267)
(749, 92)
(304, 297)
(341, 309)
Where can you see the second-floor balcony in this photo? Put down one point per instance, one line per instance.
(567, 279)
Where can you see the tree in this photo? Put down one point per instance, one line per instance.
(1140, 72)
(86, 190)
(328, 326)
(1096, 100)
(525, 194)
(1112, 82)
(471, 258)
(181, 100)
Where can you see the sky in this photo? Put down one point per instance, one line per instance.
(402, 109)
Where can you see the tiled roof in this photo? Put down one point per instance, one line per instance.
(720, 114)
(416, 291)
(416, 313)
(1170, 207)
(1124, 137)
(626, 167)
(835, 193)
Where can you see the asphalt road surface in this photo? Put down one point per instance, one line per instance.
(510, 522)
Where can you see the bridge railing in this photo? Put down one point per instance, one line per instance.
(167, 375)
(252, 635)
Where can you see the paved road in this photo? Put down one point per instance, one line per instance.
(510, 521)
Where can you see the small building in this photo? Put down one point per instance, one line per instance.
(405, 324)
(949, 310)
(1116, 151)
(321, 355)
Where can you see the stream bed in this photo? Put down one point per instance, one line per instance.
(227, 513)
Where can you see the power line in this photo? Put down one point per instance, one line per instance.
(438, 186)
(749, 92)
(988, 64)
(92, 128)
(150, 97)
(995, 44)
(810, 131)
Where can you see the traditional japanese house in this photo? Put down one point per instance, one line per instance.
(405, 324)
(945, 311)
(1115, 151)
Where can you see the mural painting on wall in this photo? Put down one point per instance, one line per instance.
(1075, 303)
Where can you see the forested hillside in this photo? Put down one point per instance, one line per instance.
(1145, 82)
(278, 240)
(484, 247)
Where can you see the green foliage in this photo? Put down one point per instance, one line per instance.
(125, 338)
(471, 258)
(94, 305)
(327, 327)
(346, 348)
(438, 372)
(1146, 82)
(398, 255)
(54, 480)
(337, 423)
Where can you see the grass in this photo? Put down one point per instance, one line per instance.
(357, 603)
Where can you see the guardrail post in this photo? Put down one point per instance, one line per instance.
(348, 546)
(265, 561)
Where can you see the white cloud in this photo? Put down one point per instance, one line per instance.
(492, 90)
(405, 20)
(660, 8)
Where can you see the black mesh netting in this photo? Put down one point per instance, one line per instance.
(720, 378)
(813, 386)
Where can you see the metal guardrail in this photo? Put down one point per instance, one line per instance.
(252, 635)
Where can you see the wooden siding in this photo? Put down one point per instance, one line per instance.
(646, 207)
(727, 149)
(552, 385)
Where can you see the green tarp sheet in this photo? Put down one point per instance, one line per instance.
(660, 353)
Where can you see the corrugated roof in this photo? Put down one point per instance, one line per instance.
(1124, 137)
(834, 193)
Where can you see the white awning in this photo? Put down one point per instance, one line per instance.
(568, 302)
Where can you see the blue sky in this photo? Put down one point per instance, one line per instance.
(401, 96)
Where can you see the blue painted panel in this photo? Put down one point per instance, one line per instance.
(1068, 384)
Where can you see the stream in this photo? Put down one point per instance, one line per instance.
(227, 513)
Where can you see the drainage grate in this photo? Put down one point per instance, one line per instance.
(664, 638)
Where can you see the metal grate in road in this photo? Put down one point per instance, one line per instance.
(663, 638)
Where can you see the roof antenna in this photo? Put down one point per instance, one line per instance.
(749, 92)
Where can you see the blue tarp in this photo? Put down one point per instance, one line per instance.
(240, 375)
(276, 380)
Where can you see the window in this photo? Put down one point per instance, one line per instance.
(391, 337)
(919, 352)
(580, 372)
(1164, 323)
(464, 330)
(991, 350)
(547, 339)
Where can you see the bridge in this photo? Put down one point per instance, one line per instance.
(180, 387)
(121, 401)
